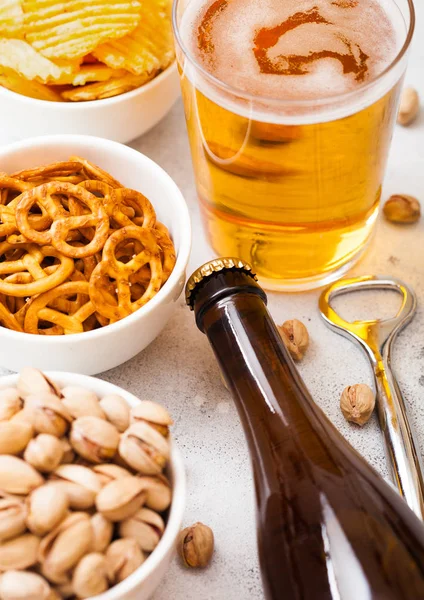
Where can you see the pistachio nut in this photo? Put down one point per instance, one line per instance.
(108, 472)
(123, 557)
(94, 439)
(44, 452)
(23, 585)
(12, 518)
(47, 507)
(65, 590)
(14, 436)
(144, 448)
(81, 402)
(62, 548)
(90, 576)
(10, 403)
(145, 526)
(102, 532)
(80, 484)
(49, 414)
(159, 494)
(117, 411)
(17, 476)
(32, 381)
(154, 414)
(195, 545)
(68, 453)
(19, 552)
(23, 416)
(121, 498)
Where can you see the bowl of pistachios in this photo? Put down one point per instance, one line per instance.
(92, 489)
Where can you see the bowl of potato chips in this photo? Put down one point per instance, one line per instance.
(90, 67)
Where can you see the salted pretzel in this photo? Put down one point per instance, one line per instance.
(57, 169)
(144, 213)
(40, 309)
(42, 280)
(63, 223)
(95, 172)
(111, 267)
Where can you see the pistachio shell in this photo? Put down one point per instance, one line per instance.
(102, 532)
(22, 585)
(159, 494)
(47, 507)
(23, 416)
(61, 549)
(32, 381)
(144, 448)
(121, 498)
(123, 557)
(14, 437)
(49, 414)
(94, 439)
(19, 553)
(195, 545)
(17, 476)
(90, 576)
(44, 452)
(12, 518)
(154, 414)
(108, 472)
(117, 411)
(65, 590)
(81, 402)
(68, 453)
(145, 526)
(80, 483)
(10, 403)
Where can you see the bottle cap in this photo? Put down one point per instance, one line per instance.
(211, 267)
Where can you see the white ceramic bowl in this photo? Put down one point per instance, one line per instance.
(143, 582)
(121, 118)
(96, 351)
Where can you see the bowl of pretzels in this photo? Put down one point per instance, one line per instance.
(94, 243)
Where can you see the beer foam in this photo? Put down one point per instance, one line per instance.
(294, 49)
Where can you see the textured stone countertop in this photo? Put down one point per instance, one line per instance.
(179, 369)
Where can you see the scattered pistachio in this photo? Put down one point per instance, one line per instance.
(195, 545)
(357, 403)
(117, 411)
(295, 337)
(153, 414)
(409, 106)
(401, 208)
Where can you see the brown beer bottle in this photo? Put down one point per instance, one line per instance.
(329, 527)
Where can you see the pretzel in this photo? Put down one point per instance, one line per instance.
(144, 216)
(11, 184)
(115, 207)
(63, 223)
(57, 169)
(31, 263)
(111, 267)
(40, 309)
(95, 172)
(8, 320)
(167, 250)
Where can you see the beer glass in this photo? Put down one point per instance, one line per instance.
(291, 186)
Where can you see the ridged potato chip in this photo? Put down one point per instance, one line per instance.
(33, 89)
(106, 89)
(11, 18)
(72, 28)
(89, 73)
(19, 56)
(147, 49)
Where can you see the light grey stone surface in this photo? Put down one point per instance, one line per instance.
(178, 369)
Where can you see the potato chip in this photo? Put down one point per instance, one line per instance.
(27, 62)
(107, 89)
(147, 49)
(89, 73)
(73, 28)
(11, 18)
(33, 89)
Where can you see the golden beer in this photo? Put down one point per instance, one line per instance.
(295, 193)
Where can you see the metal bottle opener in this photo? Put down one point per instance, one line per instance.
(376, 338)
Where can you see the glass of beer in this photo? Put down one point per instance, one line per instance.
(290, 108)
